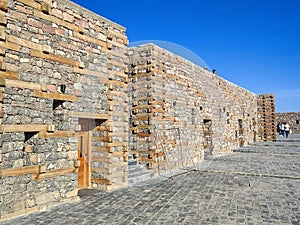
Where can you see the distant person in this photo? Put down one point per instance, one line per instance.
(286, 129)
(281, 129)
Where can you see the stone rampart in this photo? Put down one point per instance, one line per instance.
(181, 112)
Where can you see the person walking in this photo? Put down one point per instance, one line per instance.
(281, 129)
(286, 129)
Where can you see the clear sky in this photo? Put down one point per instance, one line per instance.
(252, 43)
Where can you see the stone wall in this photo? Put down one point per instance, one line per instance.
(78, 107)
(181, 112)
(59, 64)
(292, 118)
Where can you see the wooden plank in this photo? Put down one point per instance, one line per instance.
(54, 58)
(101, 181)
(9, 75)
(19, 171)
(100, 159)
(3, 20)
(57, 134)
(116, 83)
(56, 20)
(90, 72)
(116, 144)
(56, 96)
(22, 128)
(91, 40)
(3, 5)
(2, 34)
(1, 94)
(23, 42)
(88, 115)
(22, 84)
(11, 46)
(2, 49)
(31, 4)
(55, 173)
(116, 63)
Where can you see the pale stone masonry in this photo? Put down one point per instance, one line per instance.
(79, 108)
(181, 112)
(62, 67)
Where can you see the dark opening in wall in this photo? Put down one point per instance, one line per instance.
(57, 103)
(201, 108)
(240, 123)
(297, 122)
(29, 135)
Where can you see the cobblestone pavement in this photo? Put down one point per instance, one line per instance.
(256, 186)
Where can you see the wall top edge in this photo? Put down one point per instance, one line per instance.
(156, 47)
(71, 4)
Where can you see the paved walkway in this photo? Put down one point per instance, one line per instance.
(254, 185)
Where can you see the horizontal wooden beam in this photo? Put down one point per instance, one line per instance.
(57, 96)
(54, 173)
(22, 128)
(19, 171)
(101, 181)
(89, 115)
(20, 84)
(56, 134)
(9, 75)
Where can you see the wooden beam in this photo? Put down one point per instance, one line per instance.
(88, 115)
(101, 181)
(3, 5)
(21, 84)
(9, 75)
(57, 96)
(32, 4)
(3, 20)
(2, 34)
(54, 173)
(57, 134)
(19, 171)
(55, 58)
(22, 128)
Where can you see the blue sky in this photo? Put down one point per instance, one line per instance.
(252, 43)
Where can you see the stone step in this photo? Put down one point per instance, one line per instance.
(290, 150)
(277, 144)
